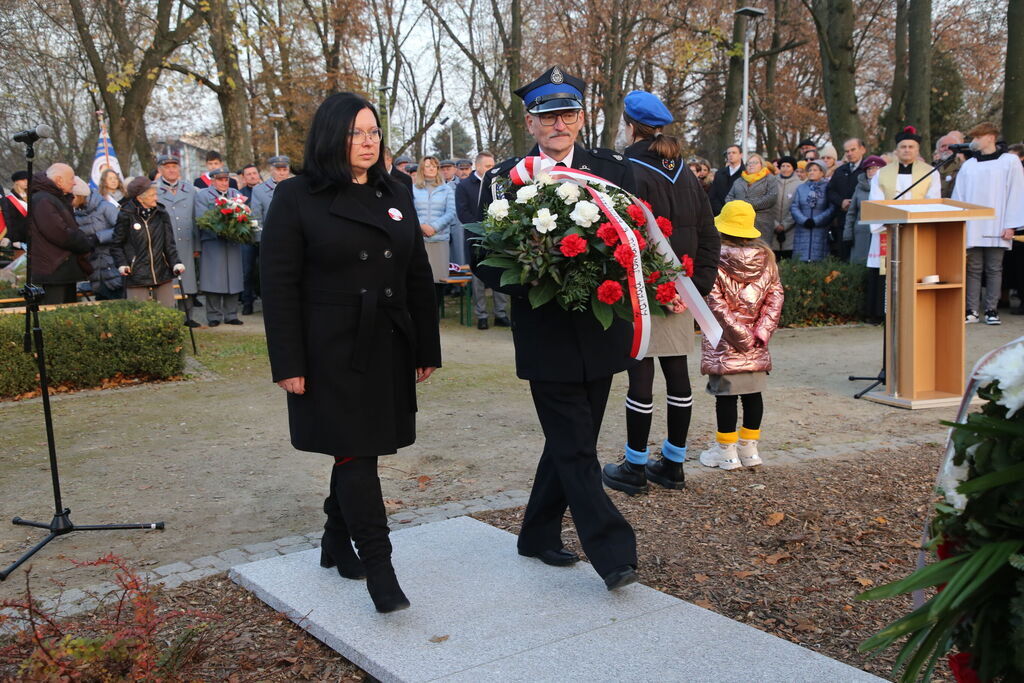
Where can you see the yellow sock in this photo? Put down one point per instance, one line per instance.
(750, 434)
(726, 437)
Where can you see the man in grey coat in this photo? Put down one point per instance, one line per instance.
(220, 268)
(262, 194)
(178, 199)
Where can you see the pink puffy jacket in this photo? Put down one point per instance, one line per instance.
(747, 297)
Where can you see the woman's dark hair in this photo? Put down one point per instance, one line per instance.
(327, 145)
(665, 146)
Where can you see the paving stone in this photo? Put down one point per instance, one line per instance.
(483, 613)
(197, 574)
(176, 568)
(289, 541)
(234, 556)
(211, 561)
(256, 557)
(256, 548)
(171, 582)
(297, 548)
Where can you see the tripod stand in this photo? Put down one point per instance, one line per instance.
(61, 523)
(877, 379)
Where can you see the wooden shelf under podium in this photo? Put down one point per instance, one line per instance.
(924, 365)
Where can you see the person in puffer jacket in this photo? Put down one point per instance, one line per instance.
(747, 301)
(143, 246)
(98, 217)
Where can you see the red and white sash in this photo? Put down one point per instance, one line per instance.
(18, 203)
(531, 167)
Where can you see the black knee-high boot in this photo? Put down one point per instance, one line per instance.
(357, 490)
(336, 544)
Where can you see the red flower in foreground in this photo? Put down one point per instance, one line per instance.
(572, 245)
(641, 242)
(960, 665)
(636, 214)
(226, 212)
(624, 255)
(609, 291)
(665, 225)
(665, 293)
(687, 263)
(242, 219)
(607, 232)
(653, 277)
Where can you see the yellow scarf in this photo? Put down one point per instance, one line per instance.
(757, 176)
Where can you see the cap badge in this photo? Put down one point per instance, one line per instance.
(395, 214)
(617, 157)
(556, 76)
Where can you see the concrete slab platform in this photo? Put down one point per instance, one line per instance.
(481, 612)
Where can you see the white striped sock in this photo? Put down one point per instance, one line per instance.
(680, 401)
(646, 408)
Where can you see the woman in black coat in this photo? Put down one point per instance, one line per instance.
(348, 302)
(663, 179)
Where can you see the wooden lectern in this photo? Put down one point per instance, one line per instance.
(924, 360)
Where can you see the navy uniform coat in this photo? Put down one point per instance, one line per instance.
(220, 268)
(348, 303)
(552, 344)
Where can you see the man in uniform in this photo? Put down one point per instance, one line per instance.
(220, 270)
(463, 169)
(262, 194)
(213, 162)
(569, 361)
(402, 164)
(448, 170)
(178, 199)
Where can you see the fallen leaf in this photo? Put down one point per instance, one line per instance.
(881, 520)
(804, 624)
(865, 581)
(778, 557)
(700, 578)
(703, 603)
(847, 608)
(774, 518)
(439, 639)
(422, 481)
(743, 574)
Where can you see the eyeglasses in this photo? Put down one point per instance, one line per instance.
(360, 136)
(568, 117)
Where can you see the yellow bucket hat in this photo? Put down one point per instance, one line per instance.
(737, 220)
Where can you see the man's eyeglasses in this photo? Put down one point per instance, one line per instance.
(360, 136)
(568, 117)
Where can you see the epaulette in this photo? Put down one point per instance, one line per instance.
(504, 167)
(609, 154)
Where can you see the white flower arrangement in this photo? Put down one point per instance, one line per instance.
(1008, 369)
(498, 209)
(544, 220)
(526, 193)
(585, 213)
(568, 192)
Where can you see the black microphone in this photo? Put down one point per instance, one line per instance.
(961, 148)
(30, 136)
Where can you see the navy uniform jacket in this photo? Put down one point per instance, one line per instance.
(552, 344)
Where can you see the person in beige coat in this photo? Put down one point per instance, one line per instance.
(782, 237)
(747, 301)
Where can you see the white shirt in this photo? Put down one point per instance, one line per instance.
(567, 160)
(998, 183)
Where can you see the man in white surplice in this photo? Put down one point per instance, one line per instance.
(989, 178)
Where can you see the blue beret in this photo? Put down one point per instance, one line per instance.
(645, 108)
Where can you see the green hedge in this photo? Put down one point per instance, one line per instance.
(87, 344)
(821, 292)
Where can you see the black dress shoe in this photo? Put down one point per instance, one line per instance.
(623, 576)
(625, 477)
(555, 558)
(196, 302)
(666, 473)
(481, 324)
(246, 309)
(214, 323)
(233, 321)
(192, 323)
(502, 322)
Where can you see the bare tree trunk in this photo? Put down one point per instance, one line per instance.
(771, 145)
(892, 123)
(919, 85)
(726, 132)
(1013, 92)
(234, 105)
(834, 21)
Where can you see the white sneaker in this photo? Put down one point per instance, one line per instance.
(721, 455)
(746, 449)
(992, 318)
(972, 317)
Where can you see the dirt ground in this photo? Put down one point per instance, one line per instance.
(210, 456)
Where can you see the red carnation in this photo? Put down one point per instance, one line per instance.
(226, 212)
(960, 665)
(609, 291)
(241, 219)
(665, 225)
(653, 277)
(666, 293)
(640, 241)
(687, 265)
(647, 204)
(624, 255)
(572, 245)
(607, 232)
(636, 214)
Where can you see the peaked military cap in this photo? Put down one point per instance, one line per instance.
(218, 172)
(167, 159)
(447, 162)
(555, 90)
(464, 163)
(279, 160)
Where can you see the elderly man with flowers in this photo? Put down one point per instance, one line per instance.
(568, 356)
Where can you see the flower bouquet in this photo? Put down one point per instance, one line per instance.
(978, 535)
(567, 238)
(229, 219)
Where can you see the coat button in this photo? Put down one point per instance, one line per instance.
(363, 255)
(387, 253)
(387, 291)
(379, 194)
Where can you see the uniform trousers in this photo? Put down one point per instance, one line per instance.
(569, 475)
(480, 301)
(221, 307)
(250, 272)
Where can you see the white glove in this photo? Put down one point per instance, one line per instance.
(5, 243)
(124, 270)
(179, 268)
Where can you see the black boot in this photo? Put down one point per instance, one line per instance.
(357, 491)
(336, 545)
(625, 477)
(667, 473)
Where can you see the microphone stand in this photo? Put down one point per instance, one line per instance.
(61, 523)
(893, 291)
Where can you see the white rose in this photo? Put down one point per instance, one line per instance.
(545, 221)
(526, 193)
(1008, 368)
(498, 209)
(544, 179)
(585, 213)
(568, 192)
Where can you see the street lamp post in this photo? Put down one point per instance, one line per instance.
(383, 90)
(747, 13)
(281, 116)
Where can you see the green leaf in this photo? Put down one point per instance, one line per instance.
(925, 577)
(510, 276)
(602, 311)
(499, 261)
(542, 293)
(992, 480)
(475, 228)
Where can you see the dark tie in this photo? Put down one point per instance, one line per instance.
(560, 164)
